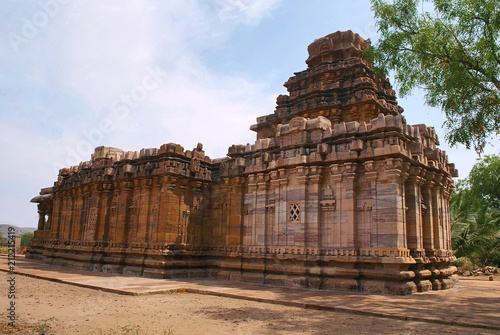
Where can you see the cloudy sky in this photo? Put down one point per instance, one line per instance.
(77, 74)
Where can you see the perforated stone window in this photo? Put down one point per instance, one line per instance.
(294, 211)
(92, 218)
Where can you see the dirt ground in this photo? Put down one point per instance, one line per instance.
(44, 307)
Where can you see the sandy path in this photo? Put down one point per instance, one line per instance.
(79, 310)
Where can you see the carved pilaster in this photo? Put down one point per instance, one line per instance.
(313, 219)
(336, 178)
(427, 217)
(348, 227)
(414, 213)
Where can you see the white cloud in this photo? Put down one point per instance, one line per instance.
(90, 55)
(249, 11)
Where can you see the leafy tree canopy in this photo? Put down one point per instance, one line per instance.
(453, 53)
(475, 213)
(484, 181)
(26, 239)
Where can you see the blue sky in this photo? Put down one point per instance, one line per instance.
(76, 74)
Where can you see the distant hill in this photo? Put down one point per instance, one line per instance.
(4, 229)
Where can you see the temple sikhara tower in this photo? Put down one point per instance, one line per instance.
(337, 192)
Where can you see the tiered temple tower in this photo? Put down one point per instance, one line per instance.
(338, 192)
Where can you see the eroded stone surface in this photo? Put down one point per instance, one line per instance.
(337, 192)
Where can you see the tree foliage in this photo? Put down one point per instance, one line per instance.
(26, 239)
(475, 214)
(453, 53)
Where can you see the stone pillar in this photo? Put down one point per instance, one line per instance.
(74, 226)
(103, 223)
(144, 209)
(273, 209)
(152, 230)
(348, 225)
(389, 218)
(48, 212)
(65, 214)
(41, 217)
(299, 196)
(56, 215)
(437, 215)
(446, 218)
(236, 210)
(111, 233)
(180, 212)
(313, 238)
(414, 213)
(428, 218)
(123, 212)
(250, 205)
(82, 212)
(336, 178)
(94, 212)
(133, 207)
(166, 188)
(282, 208)
(371, 177)
(260, 211)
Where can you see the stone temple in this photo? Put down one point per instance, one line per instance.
(338, 192)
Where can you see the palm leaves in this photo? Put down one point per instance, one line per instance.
(475, 224)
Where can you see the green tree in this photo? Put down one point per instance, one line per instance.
(475, 214)
(484, 181)
(26, 239)
(453, 53)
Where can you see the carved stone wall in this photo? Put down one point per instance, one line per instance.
(337, 192)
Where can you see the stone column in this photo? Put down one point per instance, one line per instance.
(313, 238)
(236, 210)
(81, 211)
(64, 214)
(414, 213)
(75, 225)
(348, 225)
(250, 205)
(123, 212)
(155, 198)
(437, 216)
(94, 212)
(371, 177)
(41, 217)
(300, 196)
(166, 189)
(68, 211)
(446, 218)
(180, 211)
(389, 218)
(103, 226)
(133, 206)
(428, 217)
(336, 178)
(224, 212)
(274, 190)
(48, 212)
(57, 215)
(144, 209)
(114, 210)
(260, 211)
(282, 207)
